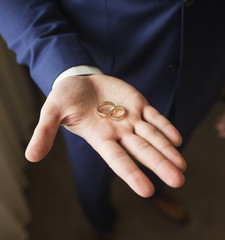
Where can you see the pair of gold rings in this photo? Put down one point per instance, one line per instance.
(109, 109)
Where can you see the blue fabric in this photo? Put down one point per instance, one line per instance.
(50, 36)
(173, 55)
(42, 39)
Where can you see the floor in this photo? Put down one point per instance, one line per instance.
(57, 214)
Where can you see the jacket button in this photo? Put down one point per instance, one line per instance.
(188, 3)
(173, 69)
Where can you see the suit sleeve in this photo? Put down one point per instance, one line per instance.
(42, 39)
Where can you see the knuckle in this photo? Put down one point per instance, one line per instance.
(143, 145)
(176, 157)
(153, 132)
(161, 163)
(167, 147)
(130, 175)
(155, 115)
(119, 154)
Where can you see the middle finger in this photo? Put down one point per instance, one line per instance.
(160, 142)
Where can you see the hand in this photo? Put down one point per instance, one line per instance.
(144, 133)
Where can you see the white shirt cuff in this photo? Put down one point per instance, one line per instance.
(76, 71)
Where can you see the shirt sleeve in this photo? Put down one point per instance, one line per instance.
(42, 39)
(76, 71)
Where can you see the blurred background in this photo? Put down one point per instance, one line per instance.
(38, 201)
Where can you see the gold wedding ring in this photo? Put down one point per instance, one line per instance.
(105, 108)
(118, 113)
(109, 109)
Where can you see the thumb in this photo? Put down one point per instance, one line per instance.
(44, 133)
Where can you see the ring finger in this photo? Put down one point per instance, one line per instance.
(146, 154)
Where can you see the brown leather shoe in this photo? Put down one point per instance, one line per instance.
(171, 207)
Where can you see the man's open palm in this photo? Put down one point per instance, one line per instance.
(144, 133)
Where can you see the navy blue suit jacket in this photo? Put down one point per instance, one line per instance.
(170, 53)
